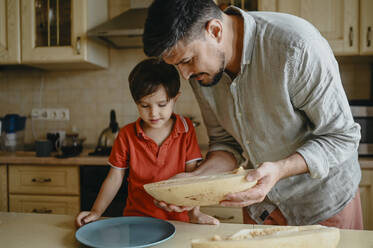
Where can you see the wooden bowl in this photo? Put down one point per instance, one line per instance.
(199, 190)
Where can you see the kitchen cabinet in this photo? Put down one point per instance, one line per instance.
(366, 195)
(10, 46)
(3, 188)
(44, 189)
(366, 26)
(53, 33)
(224, 214)
(346, 24)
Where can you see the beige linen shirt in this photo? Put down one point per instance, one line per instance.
(287, 98)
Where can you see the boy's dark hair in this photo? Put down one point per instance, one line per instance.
(149, 74)
(169, 21)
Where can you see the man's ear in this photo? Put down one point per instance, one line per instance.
(214, 29)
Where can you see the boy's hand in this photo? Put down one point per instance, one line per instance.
(171, 207)
(182, 175)
(197, 217)
(85, 217)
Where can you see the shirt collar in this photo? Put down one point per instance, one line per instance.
(180, 126)
(249, 34)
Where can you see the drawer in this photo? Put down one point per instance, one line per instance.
(69, 205)
(224, 214)
(29, 179)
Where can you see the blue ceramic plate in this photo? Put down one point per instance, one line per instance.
(121, 232)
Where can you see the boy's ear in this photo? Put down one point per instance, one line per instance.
(177, 96)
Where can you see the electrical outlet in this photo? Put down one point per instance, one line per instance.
(63, 114)
(51, 114)
(36, 113)
(55, 114)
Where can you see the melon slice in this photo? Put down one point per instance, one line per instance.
(275, 237)
(199, 190)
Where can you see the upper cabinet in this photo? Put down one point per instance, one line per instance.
(337, 20)
(366, 26)
(54, 33)
(10, 48)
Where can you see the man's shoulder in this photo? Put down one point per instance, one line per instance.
(284, 28)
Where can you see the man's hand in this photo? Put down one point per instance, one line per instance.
(267, 175)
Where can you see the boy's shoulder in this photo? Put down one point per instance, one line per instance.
(128, 129)
(185, 122)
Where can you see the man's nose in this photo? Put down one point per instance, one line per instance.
(185, 72)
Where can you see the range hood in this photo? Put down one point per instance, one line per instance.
(124, 30)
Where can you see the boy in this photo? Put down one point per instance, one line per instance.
(159, 145)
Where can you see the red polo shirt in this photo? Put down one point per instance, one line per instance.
(149, 163)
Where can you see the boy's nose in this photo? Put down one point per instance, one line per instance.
(153, 112)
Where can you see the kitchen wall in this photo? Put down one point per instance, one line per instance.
(356, 74)
(88, 94)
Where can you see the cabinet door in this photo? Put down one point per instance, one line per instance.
(44, 204)
(54, 32)
(337, 20)
(366, 195)
(3, 188)
(50, 35)
(10, 32)
(366, 27)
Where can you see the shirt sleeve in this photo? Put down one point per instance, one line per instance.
(317, 91)
(193, 152)
(119, 153)
(219, 138)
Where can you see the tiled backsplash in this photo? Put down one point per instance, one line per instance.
(89, 95)
(357, 79)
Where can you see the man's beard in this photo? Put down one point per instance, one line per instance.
(217, 76)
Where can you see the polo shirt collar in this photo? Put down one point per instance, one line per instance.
(180, 126)
(249, 34)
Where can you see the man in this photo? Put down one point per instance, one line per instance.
(269, 90)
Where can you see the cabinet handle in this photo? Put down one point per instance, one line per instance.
(42, 211)
(351, 36)
(41, 180)
(78, 45)
(223, 218)
(369, 36)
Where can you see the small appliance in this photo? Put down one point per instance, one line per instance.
(107, 137)
(12, 132)
(362, 112)
(71, 146)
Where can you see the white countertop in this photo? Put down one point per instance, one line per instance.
(18, 230)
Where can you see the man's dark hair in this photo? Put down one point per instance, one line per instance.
(149, 75)
(169, 21)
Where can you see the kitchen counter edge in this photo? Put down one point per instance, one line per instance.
(85, 159)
